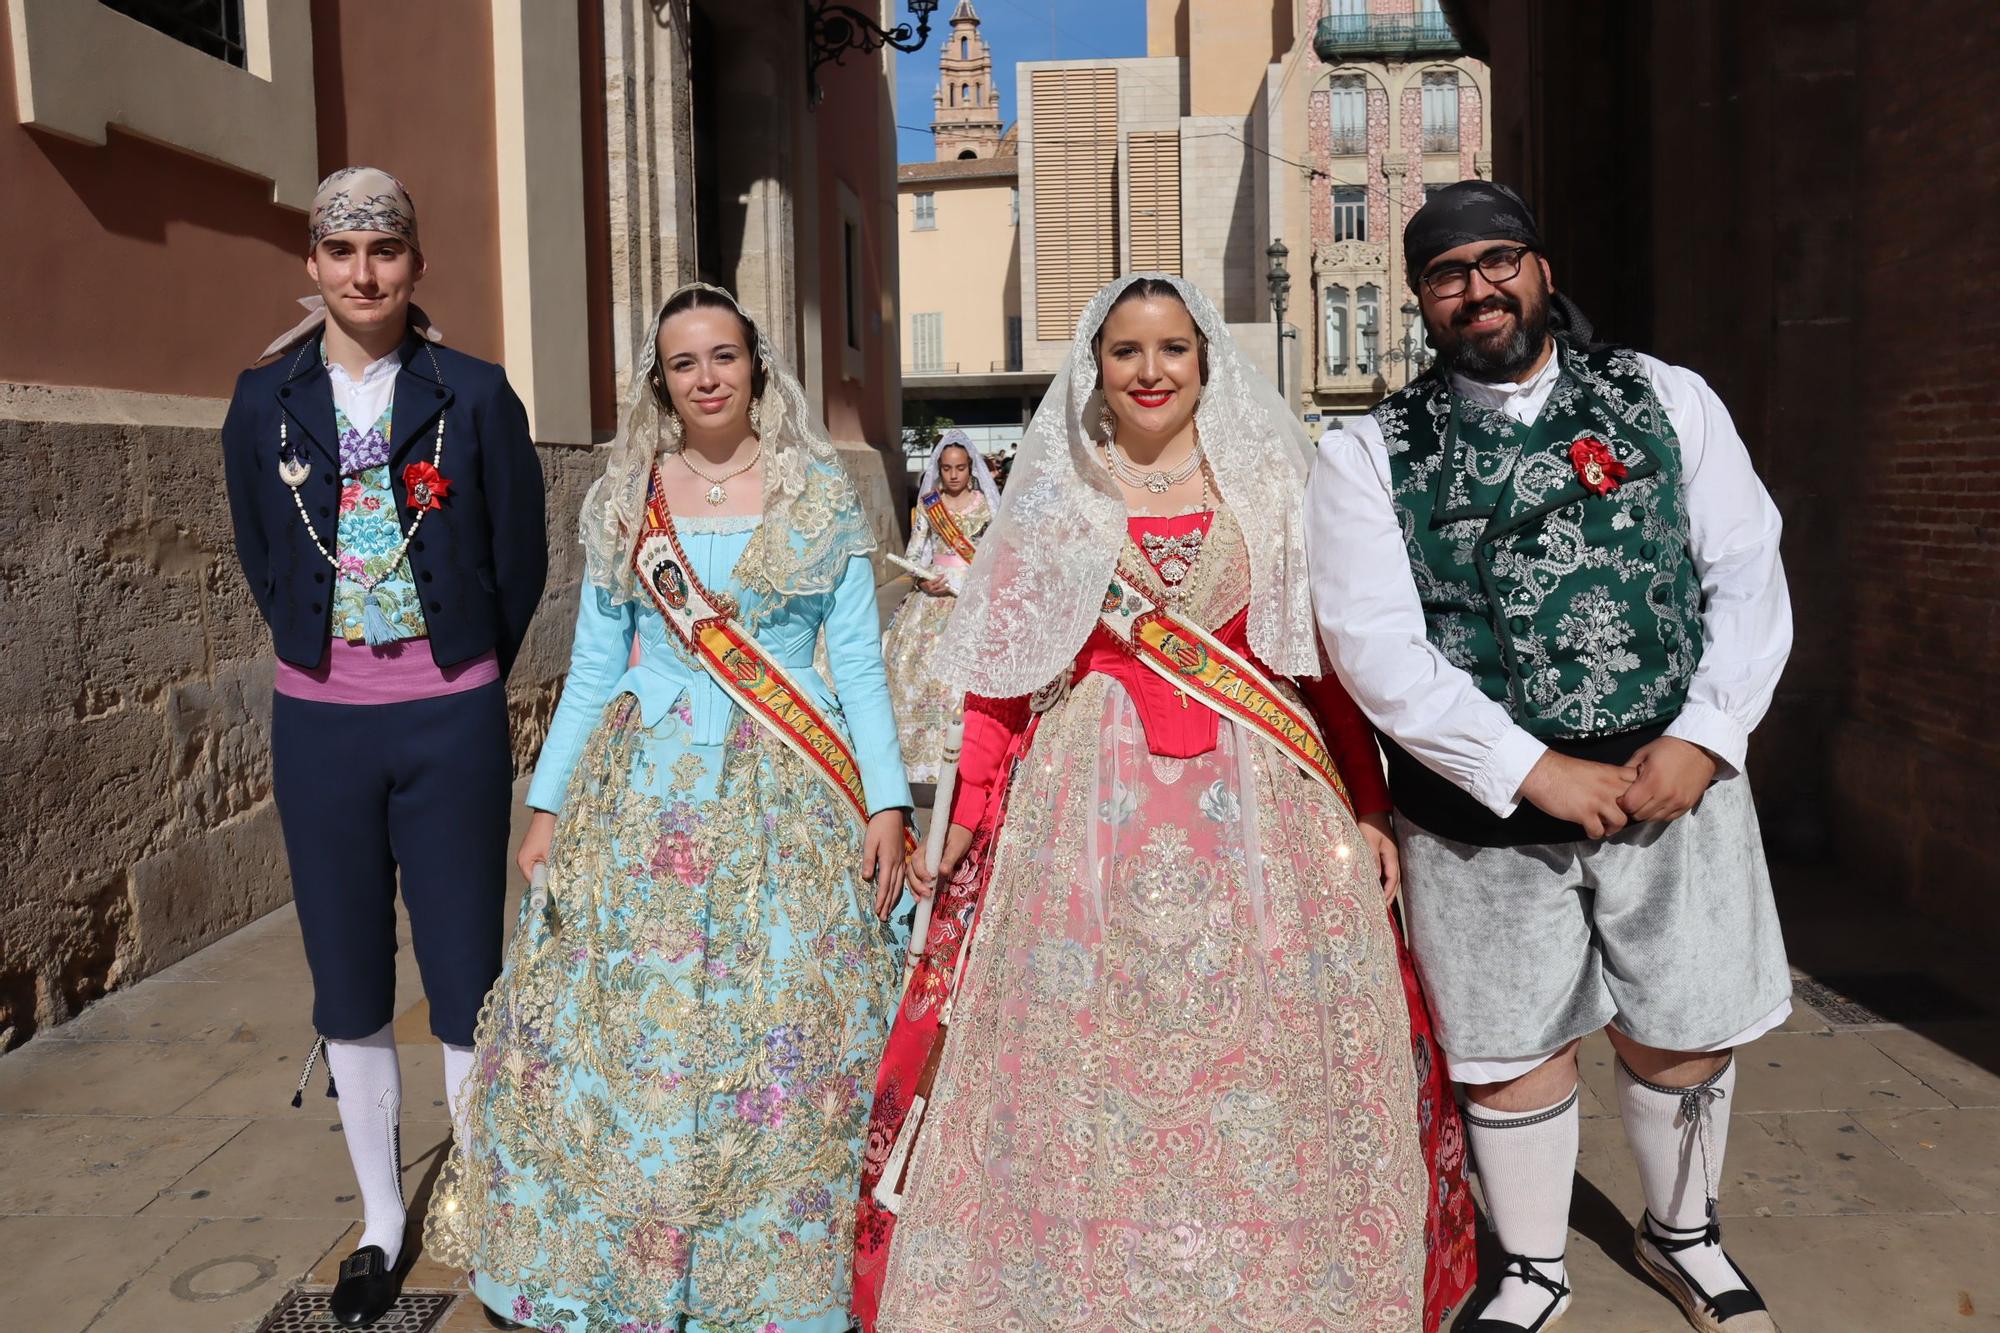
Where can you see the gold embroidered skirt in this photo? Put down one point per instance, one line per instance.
(671, 1084)
(1178, 1092)
(923, 703)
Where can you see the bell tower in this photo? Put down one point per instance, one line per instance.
(965, 110)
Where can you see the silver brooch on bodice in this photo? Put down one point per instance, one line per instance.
(1173, 557)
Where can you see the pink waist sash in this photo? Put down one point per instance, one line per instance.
(354, 673)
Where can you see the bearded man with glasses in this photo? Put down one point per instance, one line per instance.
(1547, 571)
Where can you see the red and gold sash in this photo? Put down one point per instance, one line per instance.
(706, 623)
(1195, 661)
(945, 524)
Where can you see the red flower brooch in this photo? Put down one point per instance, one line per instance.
(1596, 466)
(428, 488)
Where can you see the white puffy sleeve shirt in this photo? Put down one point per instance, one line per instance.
(1373, 623)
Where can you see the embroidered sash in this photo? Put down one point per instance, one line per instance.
(1195, 661)
(945, 524)
(706, 623)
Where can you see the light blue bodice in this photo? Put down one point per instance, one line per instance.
(664, 677)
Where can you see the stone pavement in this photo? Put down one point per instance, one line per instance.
(153, 1175)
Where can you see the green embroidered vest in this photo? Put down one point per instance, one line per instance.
(1580, 612)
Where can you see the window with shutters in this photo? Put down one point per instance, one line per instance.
(1441, 111)
(1350, 114)
(1350, 18)
(927, 333)
(1153, 201)
(1368, 321)
(926, 212)
(1334, 322)
(1350, 212)
(1074, 124)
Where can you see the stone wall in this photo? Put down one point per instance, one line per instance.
(135, 701)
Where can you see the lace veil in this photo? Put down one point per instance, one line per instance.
(812, 518)
(1033, 594)
(982, 475)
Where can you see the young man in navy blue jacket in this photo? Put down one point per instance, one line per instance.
(388, 509)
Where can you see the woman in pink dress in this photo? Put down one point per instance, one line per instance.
(1180, 1089)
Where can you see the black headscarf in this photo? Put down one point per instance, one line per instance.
(1476, 210)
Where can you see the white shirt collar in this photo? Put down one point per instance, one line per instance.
(375, 370)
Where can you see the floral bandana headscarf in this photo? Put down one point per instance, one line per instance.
(363, 199)
(355, 199)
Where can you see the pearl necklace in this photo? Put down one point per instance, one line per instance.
(716, 494)
(1159, 480)
(293, 469)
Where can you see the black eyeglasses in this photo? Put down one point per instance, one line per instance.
(1496, 266)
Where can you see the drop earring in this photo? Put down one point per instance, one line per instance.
(756, 414)
(674, 428)
(1107, 425)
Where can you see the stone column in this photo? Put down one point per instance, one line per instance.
(650, 146)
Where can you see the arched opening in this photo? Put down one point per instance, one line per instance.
(967, 153)
(965, 48)
(965, 94)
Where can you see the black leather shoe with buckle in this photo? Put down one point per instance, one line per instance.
(368, 1286)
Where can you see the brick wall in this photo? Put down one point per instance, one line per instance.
(1795, 199)
(1918, 749)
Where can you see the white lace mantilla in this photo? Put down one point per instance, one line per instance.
(1033, 594)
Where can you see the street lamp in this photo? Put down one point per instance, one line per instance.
(1281, 287)
(833, 30)
(1413, 352)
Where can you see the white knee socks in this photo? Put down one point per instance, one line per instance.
(1527, 1163)
(457, 1064)
(1678, 1171)
(369, 1083)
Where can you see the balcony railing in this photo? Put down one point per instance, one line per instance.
(932, 368)
(1362, 36)
(1441, 141)
(1348, 141)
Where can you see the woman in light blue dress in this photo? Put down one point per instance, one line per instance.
(672, 1077)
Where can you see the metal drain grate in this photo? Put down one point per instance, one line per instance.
(1865, 999)
(305, 1310)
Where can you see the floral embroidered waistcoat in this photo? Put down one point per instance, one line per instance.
(1578, 610)
(370, 535)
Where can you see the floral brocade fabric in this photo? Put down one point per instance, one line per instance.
(672, 1076)
(1179, 1091)
(371, 537)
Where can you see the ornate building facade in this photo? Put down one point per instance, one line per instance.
(1318, 123)
(1393, 110)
